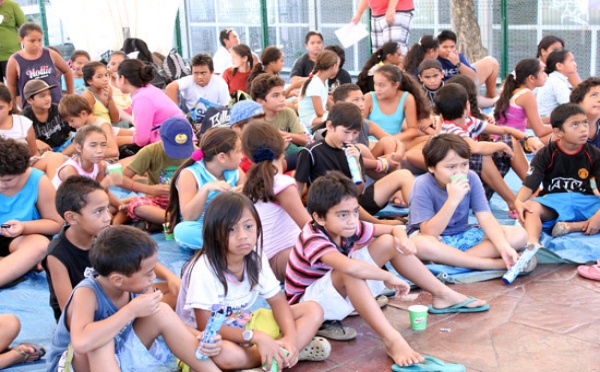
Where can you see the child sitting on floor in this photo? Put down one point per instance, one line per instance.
(113, 320)
(27, 213)
(336, 262)
(343, 126)
(159, 160)
(567, 169)
(212, 169)
(231, 271)
(439, 206)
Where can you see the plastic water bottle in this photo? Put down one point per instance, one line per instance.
(274, 366)
(526, 256)
(213, 327)
(354, 169)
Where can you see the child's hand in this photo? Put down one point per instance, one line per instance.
(398, 284)
(268, 349)
(107, 91)
(534, 144)
(16, 228)
(454, 58)
(42, 147)
(146, 304)
(506, 149)
(509, 256)
(287, 138)
(219, 186)
(521, 208)
(390, 16)
(290, 345)
(402, 243)
(211, 349)
(352, 151)
(160, 190)
(112, 179)
(457, 189)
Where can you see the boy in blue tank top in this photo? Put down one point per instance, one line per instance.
(113, 319)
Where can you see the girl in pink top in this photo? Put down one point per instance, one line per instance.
(275, 195)
(517, 105)
(150, 106)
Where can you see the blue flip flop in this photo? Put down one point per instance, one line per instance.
(460, 308)
(430, 364)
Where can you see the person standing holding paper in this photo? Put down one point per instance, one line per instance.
(390, 21)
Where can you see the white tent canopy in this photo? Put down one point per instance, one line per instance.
(99, 25)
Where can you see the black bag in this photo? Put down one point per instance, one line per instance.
(174, 66)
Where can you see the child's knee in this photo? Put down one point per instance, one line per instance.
(10, 325)
(315, 311)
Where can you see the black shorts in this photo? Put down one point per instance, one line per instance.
(367, 200)
(501, 160)
(4, 245)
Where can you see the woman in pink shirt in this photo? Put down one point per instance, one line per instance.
(150, 106)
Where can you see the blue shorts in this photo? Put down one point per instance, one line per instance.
(464, 240)
(570, 206)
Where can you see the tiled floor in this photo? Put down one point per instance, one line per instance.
(548, 321)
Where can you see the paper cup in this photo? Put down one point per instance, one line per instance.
(115, 168)
(168, 236)
(459, 177)
(418, 317)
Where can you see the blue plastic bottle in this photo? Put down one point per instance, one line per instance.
(354, 169)
(526, 256)
(213, 327)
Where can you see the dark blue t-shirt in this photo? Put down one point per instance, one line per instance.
(450, 70)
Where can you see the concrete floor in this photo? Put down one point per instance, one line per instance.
(547, 321)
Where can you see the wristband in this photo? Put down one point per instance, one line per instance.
(379, 166)
(458, 64)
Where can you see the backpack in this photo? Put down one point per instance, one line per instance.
(215, 116)
(237, 96)
(174, 66)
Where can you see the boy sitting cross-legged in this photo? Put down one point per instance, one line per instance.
(439, 206)
(568, 170)
(337, 258)
(111, 321)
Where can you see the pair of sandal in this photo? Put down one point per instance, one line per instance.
(590, 272)
(28, 357)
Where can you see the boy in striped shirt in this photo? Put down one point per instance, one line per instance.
(337, 262)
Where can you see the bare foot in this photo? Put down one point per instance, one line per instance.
(402, 354)
(452, 298)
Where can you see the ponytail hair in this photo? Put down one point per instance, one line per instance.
(215, 141)
(325, 60)
(263, 143)
(524, 69)
(416, 53)
(409, 84)
(269, 55)
(243, 50)
(554, 58)
(377, 57)
(136, 72)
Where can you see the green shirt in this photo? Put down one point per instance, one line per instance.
(287, 121)
(154, 160)
(12, 17)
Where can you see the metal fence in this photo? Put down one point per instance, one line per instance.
(287, 21)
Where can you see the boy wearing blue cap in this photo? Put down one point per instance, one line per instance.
(160, 160)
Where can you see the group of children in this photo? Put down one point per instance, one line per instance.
(249, 231)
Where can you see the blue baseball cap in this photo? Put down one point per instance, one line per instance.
(176, 135)
(244, 110)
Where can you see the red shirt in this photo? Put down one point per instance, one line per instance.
(239, 81)
(379, 7)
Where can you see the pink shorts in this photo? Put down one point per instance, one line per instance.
(160, 201)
